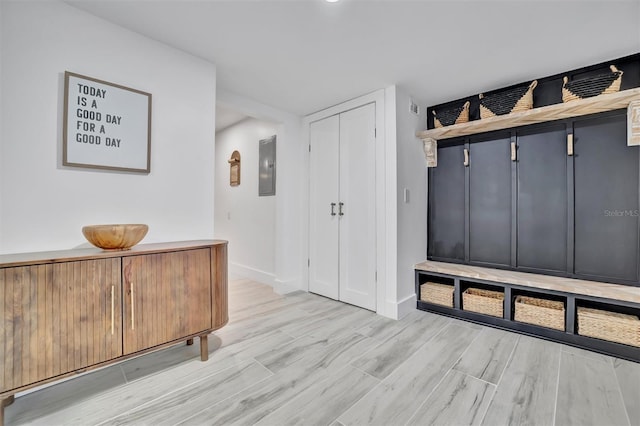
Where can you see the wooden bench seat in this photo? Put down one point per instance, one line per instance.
(619, 292)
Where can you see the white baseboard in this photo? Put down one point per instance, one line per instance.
(397, 310)
(285, 286)
(242, 271)
(237, 270)
(406, 305)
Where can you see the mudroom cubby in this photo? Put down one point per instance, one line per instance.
(546, 310)
(618, 323)
(437, 290)
(571, 293)
(482, 298)
(540, 206)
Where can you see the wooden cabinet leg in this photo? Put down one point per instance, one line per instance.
(5, 403)
(189, 342)
(204, 348)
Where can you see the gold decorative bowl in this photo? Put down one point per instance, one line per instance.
(115, 237)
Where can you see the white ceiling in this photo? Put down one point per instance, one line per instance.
(305, 55)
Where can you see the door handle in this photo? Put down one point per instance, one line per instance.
(466, 157)
(333, 206)
(514, 155)
(570, 144)
(340, 209)
(133, 324)
(113, 308)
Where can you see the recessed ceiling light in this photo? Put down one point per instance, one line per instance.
(331, 1)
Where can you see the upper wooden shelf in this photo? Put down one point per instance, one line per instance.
(577, 108)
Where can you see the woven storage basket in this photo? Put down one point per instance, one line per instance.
(592, 86)
(440, 294)
(543, 312)
(513, 100)
(606, 325)
(483, 301)
(451, 116)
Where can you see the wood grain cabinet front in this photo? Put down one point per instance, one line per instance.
(167, 297)
(58, 318)
(62, 313)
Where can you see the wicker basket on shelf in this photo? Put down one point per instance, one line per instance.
(592, 86)
(611, 326)
(513, 100)
(440, 294)
(448, 117)
(482, 301)
(542, 312)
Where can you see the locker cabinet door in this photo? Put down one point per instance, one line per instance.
(446, 204)
(542, 199)
(490, 201)
(606, 200)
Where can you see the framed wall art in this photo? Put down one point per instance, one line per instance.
(105, 125)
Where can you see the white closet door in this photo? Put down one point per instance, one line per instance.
(324, 181)
(357, 193)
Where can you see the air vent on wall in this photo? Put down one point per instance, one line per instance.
(414, 108)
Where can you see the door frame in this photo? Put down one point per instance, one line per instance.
(289, 235)
(384, 221)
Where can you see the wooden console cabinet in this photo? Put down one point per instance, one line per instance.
(66, 312)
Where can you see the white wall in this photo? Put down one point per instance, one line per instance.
(44, 205)
(412, 214)
(242, 217)
(389, 206)
(406, 224)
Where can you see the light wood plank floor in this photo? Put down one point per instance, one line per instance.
(303, 359)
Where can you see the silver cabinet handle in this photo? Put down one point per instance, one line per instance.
(333, 206)
(340, 209)
(514, 155)
(466, 157)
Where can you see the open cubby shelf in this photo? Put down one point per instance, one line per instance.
(510, 288)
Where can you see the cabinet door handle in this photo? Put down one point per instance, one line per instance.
(466, 157)
(133, 324)
(514, 155)
(340, 209)
(333, 206)
(113, 305)
(570, 144)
